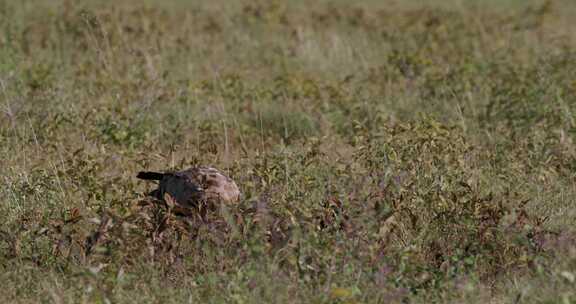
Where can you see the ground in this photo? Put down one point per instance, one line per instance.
(387, 151)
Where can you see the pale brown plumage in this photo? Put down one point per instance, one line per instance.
(195, 186)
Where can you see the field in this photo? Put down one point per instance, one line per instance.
(387, 151)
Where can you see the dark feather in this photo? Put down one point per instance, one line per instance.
(150, 175)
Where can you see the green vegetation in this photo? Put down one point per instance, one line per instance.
(387, 151)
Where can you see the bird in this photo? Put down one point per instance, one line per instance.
(194, 187)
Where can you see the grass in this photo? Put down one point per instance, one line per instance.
(388, 152)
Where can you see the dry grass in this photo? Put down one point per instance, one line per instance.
(387, 152)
